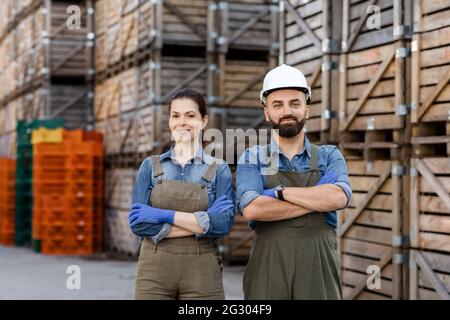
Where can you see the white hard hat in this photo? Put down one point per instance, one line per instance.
(283, 77)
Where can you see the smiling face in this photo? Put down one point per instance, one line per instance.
(185, 121)
(287, 111)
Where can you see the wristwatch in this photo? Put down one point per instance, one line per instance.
(279, 191)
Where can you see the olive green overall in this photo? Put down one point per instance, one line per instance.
(179, 268)
(297, 258)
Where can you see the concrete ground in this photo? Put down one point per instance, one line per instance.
(25, 274)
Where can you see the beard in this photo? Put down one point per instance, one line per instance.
(288, 130)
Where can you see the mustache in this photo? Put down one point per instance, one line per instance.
(287, 118)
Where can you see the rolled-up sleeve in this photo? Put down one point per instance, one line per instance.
(141, 194)
(216, 225)
(337, 164)
(249, 183)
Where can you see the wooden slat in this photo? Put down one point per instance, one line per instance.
(434, 280)
(303, 25)
(350, 220)
(383, 67)
(433, 181)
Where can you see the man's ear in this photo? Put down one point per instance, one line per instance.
(266, 113)
(308, 111)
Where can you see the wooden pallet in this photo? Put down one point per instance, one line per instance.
(119, 184)
(312, 36)
(429, 278)
(430, 107)
(373, 81)
(372, 224)
(430, 204)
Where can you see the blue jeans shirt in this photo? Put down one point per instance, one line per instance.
(215, 225)
(250, 177)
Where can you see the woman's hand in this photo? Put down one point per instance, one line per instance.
(141, 213)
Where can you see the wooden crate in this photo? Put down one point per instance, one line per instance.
(70, 103)
(118, 42)
(430, 204)
(430, 79)
(110, 12)
(236, 246)
(240, 82)
(68, 52)
(119, 184)
(129, 132)
(116, 94)
(429, 278)
(373, 81)
(312, 37)
(247, 25)
(8, 146)
(26, 107)
(181, 72)
(370, 229)
(173, 22)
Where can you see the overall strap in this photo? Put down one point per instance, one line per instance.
(210, 172)
(157, 166)
(313, 163)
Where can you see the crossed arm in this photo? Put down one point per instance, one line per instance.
(299, 201)
(210, 224)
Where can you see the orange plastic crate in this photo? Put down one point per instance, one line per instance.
(49, 174)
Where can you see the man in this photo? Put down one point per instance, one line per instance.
(292, 208)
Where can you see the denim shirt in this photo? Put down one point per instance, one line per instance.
(250, 177)
(215, 225)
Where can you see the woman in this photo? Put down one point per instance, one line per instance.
(182, 202)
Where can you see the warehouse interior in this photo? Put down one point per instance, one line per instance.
(84, 87)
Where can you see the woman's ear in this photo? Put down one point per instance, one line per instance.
(205, 121)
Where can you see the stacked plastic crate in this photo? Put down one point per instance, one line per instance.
(68, 192)
(24, 175)
(7, 200)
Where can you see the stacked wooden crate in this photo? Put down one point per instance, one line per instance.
(242, 47)
(147, 50)
(374, 132)
(430, 163)
(45, 66)
(311, 42)
(118, 192)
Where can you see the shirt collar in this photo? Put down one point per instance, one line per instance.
(200, 156)
(275, 149)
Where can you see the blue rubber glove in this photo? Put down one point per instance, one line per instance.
(221, 205)
(141, 213)
(328, 178)
(270, 193)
